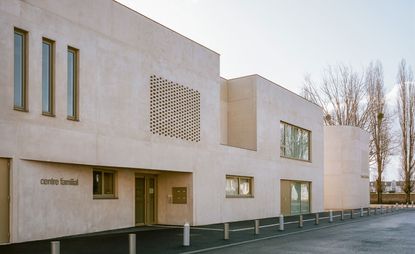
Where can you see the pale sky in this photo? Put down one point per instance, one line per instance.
(283, 40)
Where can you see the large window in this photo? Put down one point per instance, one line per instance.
(47, 77)
(295, 142)
(104, 183)
(295, 197)
(239, 186)
(20, 69)
(72, 87)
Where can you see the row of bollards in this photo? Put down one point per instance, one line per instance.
(55, 245)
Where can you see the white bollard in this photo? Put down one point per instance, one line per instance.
(186, 234)
(331, 216)
(132, 243)
(281, 222)
(381, 209)
(226, 231)
(396, 207)
(256, 227)
(55, 247)
(361, 211)
(412, 204)
(300, 221)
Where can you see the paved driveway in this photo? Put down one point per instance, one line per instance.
(388, 234)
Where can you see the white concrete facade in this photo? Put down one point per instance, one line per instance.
(119, 50)
(346, 167)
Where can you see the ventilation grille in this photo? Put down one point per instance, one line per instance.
(174, 110)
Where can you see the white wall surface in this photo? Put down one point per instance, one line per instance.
(119, 51)
(346, 167)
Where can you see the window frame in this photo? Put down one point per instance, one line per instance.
(51, 98)
(24, 97)
(75, 99)
(251, 186)
(114, 195)
(282, 144)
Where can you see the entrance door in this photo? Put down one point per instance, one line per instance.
(4, 201)
(145, 200)
(295, 197)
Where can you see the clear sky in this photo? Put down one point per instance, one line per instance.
(283, 40)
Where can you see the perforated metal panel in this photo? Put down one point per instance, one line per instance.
(174, 110)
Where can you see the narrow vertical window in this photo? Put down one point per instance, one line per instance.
(20, 72)
(73, 113)
(47, 77)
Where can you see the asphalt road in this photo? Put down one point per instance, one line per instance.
(390, 234)
(380, 233)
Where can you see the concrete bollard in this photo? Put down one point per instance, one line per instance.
(256, 227)
(351, 214)
(342, 215)
(132, 243)
(55, 247)
(331, 216)
(281, 222)
(396, 207)
(407, 205)
(186, 234)
(375, 210)
(412, 204)
(381, 209)
(368, 211)
(226, 231)
(300, 221)
(361, 211)
(317, 219)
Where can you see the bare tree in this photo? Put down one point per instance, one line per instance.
(406, 112)
(379, 126)
(342, 95)
(357, 99)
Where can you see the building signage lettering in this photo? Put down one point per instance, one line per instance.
(56, 181)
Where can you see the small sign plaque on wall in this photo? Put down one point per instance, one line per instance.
(179, 195)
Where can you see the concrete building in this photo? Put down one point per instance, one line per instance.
(110, 120)
(346, 167)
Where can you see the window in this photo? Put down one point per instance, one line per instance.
(20, 69)
(295, 142)
(103, 183)
(47, 77)
(73, 93)
(239, 186)
(295, 197)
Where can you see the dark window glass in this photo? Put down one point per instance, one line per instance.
(97, 182)
(103, 184)
(294, 142)
(19, 70)
(47, 77)
(72, 87)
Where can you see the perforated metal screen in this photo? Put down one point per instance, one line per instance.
(174, 110)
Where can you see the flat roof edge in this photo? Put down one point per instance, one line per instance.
(270, 81)
(168, 28)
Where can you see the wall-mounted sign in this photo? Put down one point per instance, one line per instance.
(56, 181)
